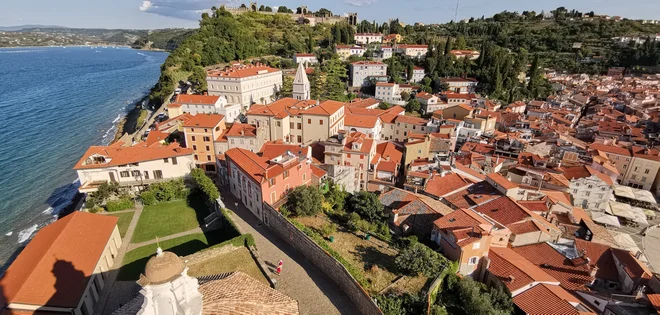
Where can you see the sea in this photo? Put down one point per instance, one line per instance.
(55, 102)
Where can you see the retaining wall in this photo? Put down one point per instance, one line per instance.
(322, 260)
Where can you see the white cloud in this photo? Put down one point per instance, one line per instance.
(182, 9)
(360, 3)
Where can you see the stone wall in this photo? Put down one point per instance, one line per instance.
(322, 260)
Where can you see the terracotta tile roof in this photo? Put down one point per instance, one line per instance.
(609, 149)
(524, 227)
(545, 299)
(118, 155)
(406, 202)
(242, 71)
(241, 130)
(600, 256)
(514, 270)
(363, 103)
(360, 121)
(655, 301)
(506, 211)
(368, 63)
(241, 294)
(635, 269)
(204, 120)
(196, 99)
(257, 167)
(317, 171)
(476, 194)
(413, 46)
(440, 186)
(281, 108)
(272, 149)
(390, 151)
(410, 120)
(155, 137)
(554, 263)
(56, 265)
(502, 181)
(534, 205)
(326, 108)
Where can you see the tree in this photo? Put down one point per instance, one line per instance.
(262, 8)
(535, 78)
(420, 259)
(287, 87)
(198, 78)
(268, 9)
(405, 96)
(413, 106)
(410, 70)
(464, 296)
(460, 43)
(205, 185)
(336, 197)
(448, 46)
(384, 105)
(283, 9)
(367, 205)
(335, 85)
(304, 201)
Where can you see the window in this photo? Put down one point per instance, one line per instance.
(647, 171)
(196, 157)
(194, 147)
(174, 161)
(348, 155)
(146, 174)
(206, 130)
(166, 160)
(309, 121)
(192, 129)
(193, 138)
(207, 148)
(207, 139)
(279, 123)
(136, 173)
(587, 193)
(123, 174)
(208, 157)
(644, 178)
(273, 197)
(304, 177)
(575, 191)
(473, 260)
(633, 176)
(300, 139)
(299, 126)
(158, 174)
(286, 174)
(271, 182)
(476, 245)
(321, 122)
(291, 125)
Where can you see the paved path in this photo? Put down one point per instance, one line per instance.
(314, 291)
(119, 258)
(651, 247)
(133, 246)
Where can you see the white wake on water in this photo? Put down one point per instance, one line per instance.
(9, 233)
(27, 233)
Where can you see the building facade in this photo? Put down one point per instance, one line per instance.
(361, 70)
(203, 104)
(367, 38)
(200, 133)
(306, 59)
(245, 84)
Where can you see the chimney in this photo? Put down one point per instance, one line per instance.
(511, 279)
(594, 270)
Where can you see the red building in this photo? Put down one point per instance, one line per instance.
(255, 179)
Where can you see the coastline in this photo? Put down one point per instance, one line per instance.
(85, 46)
(128, 123)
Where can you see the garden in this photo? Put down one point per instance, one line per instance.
(353, 228)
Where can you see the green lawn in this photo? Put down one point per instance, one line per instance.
(124, 220)
(169, 218)
(135, 260)
(237, 260)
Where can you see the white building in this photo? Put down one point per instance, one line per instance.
(430, 103)
(415, 51)
(245, 84)
(461, 85)
(470, 54)
(389, 92)
(132, 167)
(384, 52)
(589, 188)
(306, 59)
(361, 70)
(417, 75)
(345, 51)
(203, 104)
(367, 38)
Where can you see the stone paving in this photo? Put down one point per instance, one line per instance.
(314, 291)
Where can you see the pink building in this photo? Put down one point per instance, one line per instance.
(255, 179)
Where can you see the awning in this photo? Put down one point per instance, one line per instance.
(605, 219)
(634, 193)
(626, 211)
(624, 191)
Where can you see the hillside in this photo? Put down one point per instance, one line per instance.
(55, 36)
(165, 39)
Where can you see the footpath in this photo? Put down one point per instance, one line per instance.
(300, 280)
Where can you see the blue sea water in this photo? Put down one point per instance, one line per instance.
(55, 102)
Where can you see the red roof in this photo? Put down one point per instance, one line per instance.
(204, 120)
(502, 181)
(242, 71)
(273, 149)
(514, 270)
(440, 186)
(571, 276)
(609, 149)
(547, 300)
(251, 164)
(56, 266)
(360, 121)
(196, 99)
(118, 155)
(317, 171)
(504, 210)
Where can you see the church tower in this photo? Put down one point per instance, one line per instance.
(301, 87)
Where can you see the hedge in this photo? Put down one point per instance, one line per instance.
(118, 205)
(318, 239)
(165, 191)
(205, 184)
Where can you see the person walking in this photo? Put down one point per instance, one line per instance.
(279, 267)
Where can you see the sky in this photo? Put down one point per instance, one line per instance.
(150, 14)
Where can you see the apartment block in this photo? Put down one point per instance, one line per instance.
(360, 71)
(245, 84)
(200, 132)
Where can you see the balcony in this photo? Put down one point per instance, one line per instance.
(92, 186)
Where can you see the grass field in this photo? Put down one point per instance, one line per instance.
(237, 260)
(169, 218)
(124, 220)
(375, 257)
(135, 260)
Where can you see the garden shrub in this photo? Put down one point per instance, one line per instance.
(120, 204)
(328, 229)
(204, 184)
(165, 191)
(148, 198)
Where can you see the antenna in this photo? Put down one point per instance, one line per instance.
(456, 11)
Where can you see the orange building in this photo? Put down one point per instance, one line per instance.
(200, 131)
